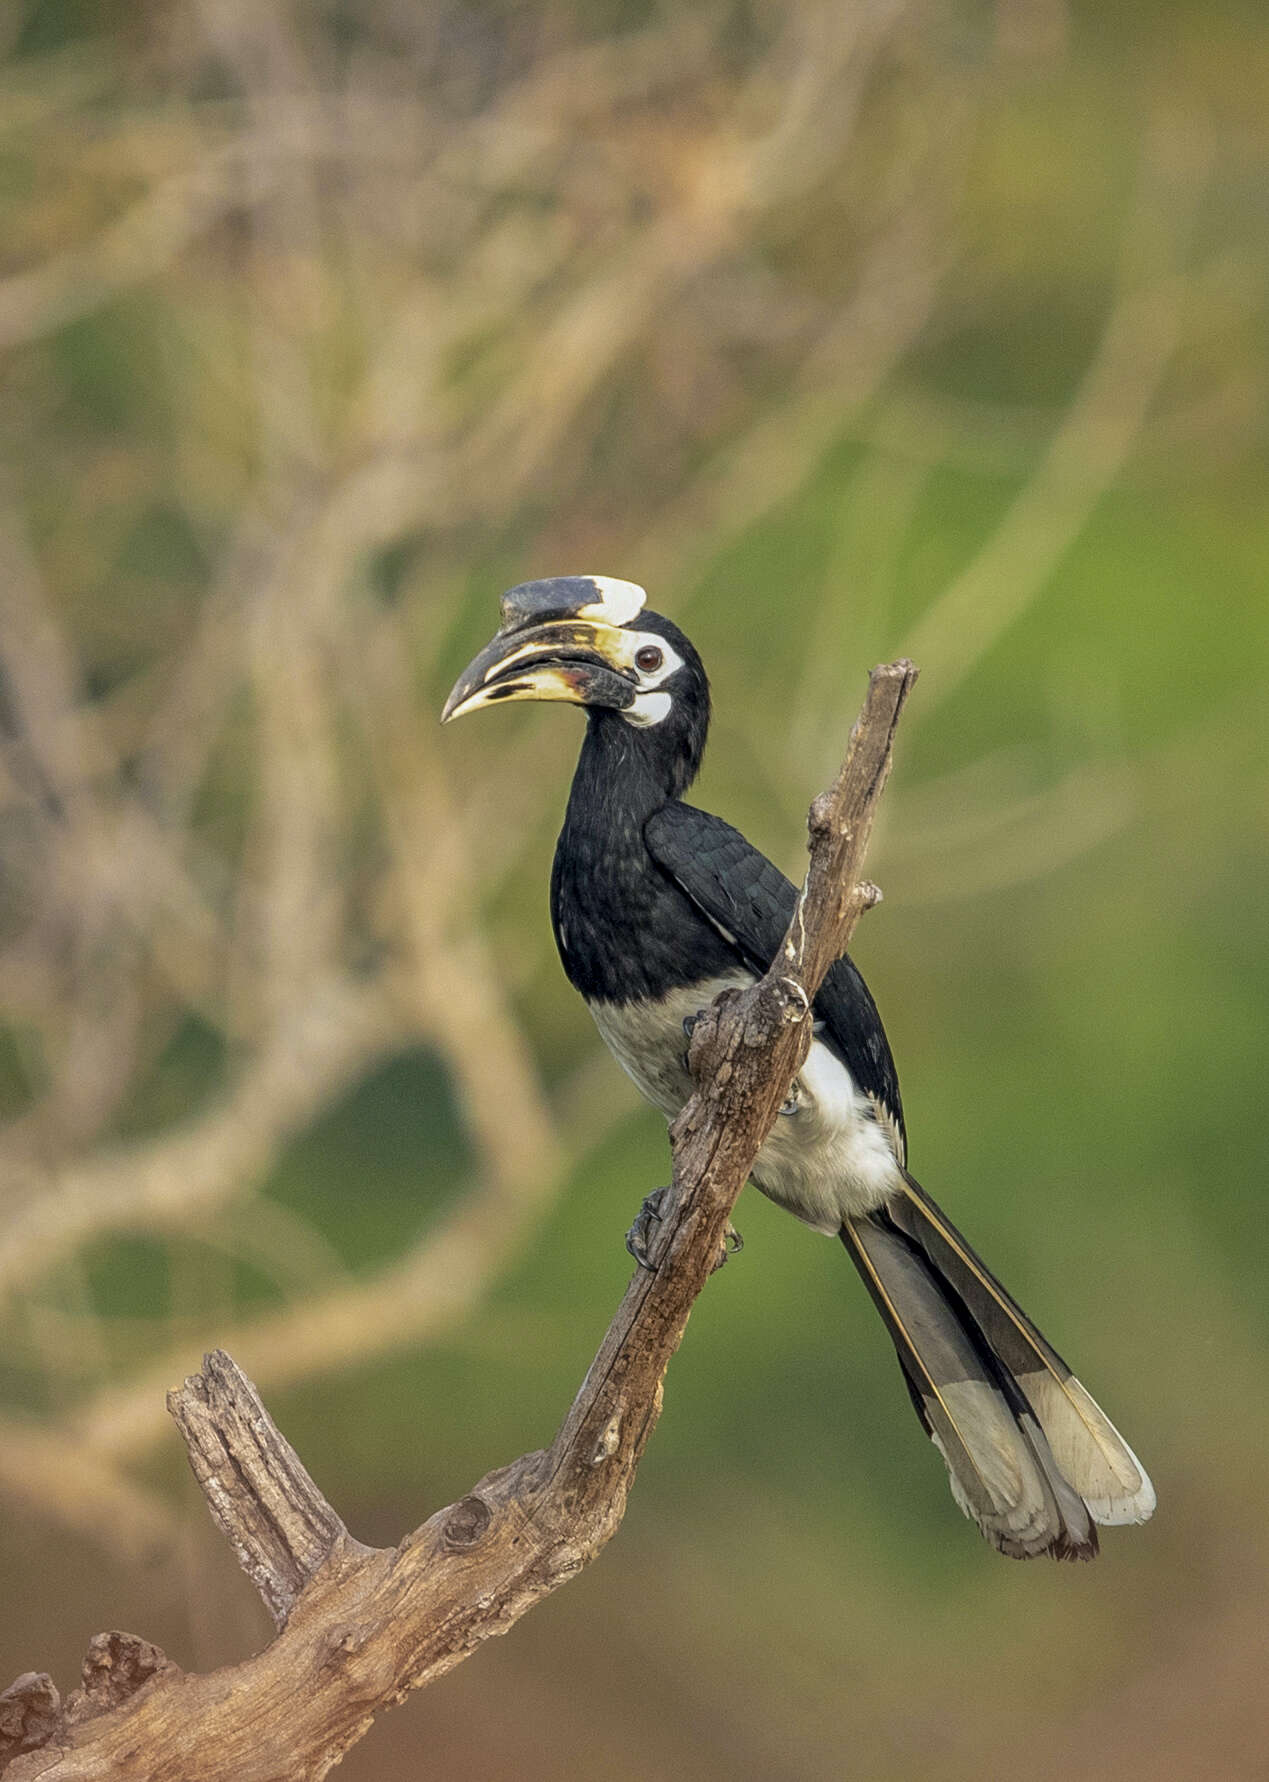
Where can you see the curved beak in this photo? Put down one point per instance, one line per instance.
(578, 662)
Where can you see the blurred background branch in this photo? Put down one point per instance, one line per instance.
(846, 330)
(379, 374)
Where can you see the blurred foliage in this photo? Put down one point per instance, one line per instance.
(935, 327)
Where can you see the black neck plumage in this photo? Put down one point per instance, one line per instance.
(624, 930)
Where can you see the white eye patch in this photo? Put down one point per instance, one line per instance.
(633, 646)
(649, 706)
(618, 601)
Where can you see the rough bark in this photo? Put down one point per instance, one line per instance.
(359, 1627)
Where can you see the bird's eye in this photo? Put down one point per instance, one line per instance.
(648, 658)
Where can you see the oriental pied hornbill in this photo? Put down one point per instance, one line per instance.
(656, 908)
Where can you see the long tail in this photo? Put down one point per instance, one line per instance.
(1033, 1460)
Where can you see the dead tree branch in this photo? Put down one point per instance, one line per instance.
(360, 1627)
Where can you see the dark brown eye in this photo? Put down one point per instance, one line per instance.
(648, 658)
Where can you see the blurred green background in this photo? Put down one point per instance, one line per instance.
(848, 330)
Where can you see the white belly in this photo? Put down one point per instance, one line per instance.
(834, 1156)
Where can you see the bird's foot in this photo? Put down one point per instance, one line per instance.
(642, 1232)
(731, 1245)
(689, 1027)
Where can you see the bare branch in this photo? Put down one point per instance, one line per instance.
(360, 1627)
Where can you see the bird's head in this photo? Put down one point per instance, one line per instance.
(588, 640)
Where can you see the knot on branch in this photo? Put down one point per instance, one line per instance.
(824, 819)
(467, 1522)
(609, 1440)
(344, 1643)
(796, 1004)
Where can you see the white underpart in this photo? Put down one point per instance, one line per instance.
(618, 601)
(829, 1159)
(832, 1157)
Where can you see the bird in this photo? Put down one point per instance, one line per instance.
(657, 907)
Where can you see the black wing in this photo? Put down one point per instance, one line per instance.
(751, 902)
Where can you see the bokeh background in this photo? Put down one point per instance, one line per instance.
(933, 326)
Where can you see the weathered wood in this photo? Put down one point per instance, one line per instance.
(257, 1488)
(360, 1627)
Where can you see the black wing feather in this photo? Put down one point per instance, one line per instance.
(743, 894)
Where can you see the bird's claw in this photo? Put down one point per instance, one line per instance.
(689, 1028)
(731, 1245)
(641, 1233)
